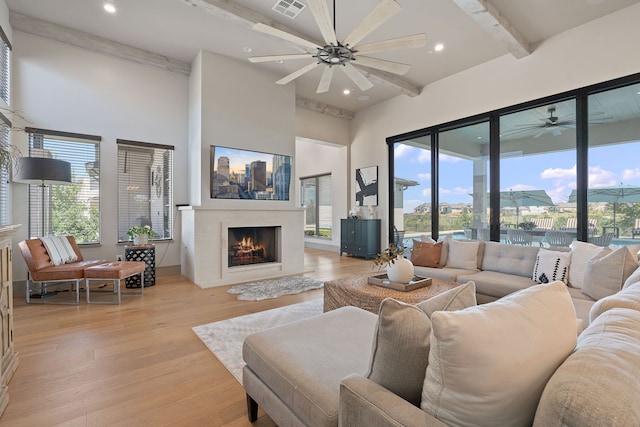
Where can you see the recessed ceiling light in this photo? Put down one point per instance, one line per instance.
(479, 137)
(439, 47)
(346, 92)
(280, 61)
(109, 7)
(247, 49)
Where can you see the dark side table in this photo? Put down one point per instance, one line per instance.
(147, 254)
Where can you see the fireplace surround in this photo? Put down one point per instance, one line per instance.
(206, 239)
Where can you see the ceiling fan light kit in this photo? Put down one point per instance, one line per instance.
(344, 53)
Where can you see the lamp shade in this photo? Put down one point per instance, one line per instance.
(42, 171)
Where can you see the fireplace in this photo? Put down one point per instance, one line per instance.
(252, 245)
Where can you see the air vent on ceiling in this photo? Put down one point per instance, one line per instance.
(289, 8)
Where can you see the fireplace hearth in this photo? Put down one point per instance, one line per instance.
(252, 245)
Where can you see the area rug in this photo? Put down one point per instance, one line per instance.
(274, 288)
(225, 338)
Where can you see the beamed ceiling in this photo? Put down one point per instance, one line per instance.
(170, 33)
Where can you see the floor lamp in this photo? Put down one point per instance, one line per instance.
(42, 171)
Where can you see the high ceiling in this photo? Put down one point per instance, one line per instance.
(472, 32)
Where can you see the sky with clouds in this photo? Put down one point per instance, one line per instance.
(553, 172)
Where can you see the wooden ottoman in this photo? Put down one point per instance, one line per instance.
(114, 271)
(356, 291)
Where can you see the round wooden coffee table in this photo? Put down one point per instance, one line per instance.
(356, 291)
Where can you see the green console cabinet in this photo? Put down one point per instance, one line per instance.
(360, 237)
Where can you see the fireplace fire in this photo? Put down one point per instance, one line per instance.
(252, 245)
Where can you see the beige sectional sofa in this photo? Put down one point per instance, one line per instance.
(501, 269)
(349, 367)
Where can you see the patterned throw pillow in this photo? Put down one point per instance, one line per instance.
(426, 254)
(551, 266)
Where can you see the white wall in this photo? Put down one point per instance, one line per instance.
(598, 51)
(322, 127)
(240, 107)
(320, 158)
(60, 87)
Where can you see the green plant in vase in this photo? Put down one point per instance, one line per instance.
(140, 234)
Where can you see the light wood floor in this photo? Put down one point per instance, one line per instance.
(139, 364)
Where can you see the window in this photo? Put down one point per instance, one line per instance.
(5, 68)
(559, 168)
(412, 186)
(316, 199)
(67, 209)
(5, 126)
(145, 188)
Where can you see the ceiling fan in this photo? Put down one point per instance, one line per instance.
(344, 53)
(554, 125)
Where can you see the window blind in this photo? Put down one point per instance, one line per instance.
(5, 127)
(67, 209)
(5, 67)
(145, 188)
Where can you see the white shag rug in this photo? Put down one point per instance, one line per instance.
(225, 338)
(274, 288)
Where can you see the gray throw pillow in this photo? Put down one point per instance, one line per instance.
(400, 352)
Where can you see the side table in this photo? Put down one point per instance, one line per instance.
(146, 254)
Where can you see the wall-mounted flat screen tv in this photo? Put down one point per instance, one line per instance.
(251, 175)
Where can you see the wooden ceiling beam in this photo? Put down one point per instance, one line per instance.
(84, 40)
(489, 18)
(319, 107)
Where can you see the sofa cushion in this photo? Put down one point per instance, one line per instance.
(401, 343)
(447, 273)
(426, 254)
(581, 253)
(307, 380)
(597, 384)
(628, 297)
(509, 259)
(607, 271)
(488, 364)
(496, 284)
(635, 277)
(551, 266)
(463, 255)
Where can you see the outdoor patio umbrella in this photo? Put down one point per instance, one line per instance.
(522, 198)
(616, 194)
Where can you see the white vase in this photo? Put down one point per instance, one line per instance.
(140, 239)
(400, 271)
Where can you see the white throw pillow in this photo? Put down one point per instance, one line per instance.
(607, 271)
(551, 266)
(581, 253)
(489, 364)
(463, 255)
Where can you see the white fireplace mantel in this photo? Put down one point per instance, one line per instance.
(205, 244)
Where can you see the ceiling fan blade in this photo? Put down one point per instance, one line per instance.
(357, 77)
(381, 64)
(321, 14)
(270, 58)
(378, 16)
(296, 74)
(556, 132)
(266, 29)
(325, 81)
(406, 42)
(540, 133)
